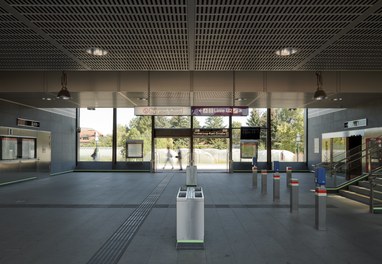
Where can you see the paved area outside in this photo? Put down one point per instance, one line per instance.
(71, 217)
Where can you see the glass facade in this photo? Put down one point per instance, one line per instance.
(96, 137)
(288, 134)
(130, 127)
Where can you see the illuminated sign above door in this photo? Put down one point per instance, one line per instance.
(27, 123)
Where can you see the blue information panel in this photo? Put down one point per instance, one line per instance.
(320, 176)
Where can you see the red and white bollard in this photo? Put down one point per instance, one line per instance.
(264, 175)
(288, 176)
(294, 184)
(254, 176)
(320, 205)
(276, 187)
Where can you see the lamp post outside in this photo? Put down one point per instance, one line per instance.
(298, 140)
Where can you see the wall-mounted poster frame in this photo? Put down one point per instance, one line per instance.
(248, 149)
(134, 148)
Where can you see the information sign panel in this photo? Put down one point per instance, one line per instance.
(161, 111)
(219, 111)
(211, 132)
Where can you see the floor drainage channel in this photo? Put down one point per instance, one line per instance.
(113, 249)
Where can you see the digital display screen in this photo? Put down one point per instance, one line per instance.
(250, 133)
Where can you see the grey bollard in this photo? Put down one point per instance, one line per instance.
(320, 202)
(294, 184)
(254, 177)
(276, 187)
(263, 181)
(288, 176)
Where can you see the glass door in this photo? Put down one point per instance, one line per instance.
(211, 154)
(172, 153)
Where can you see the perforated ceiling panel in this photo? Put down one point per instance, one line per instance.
(360, 48)
(244, 35)
(181, 35)
(23, 48)
(139, 35)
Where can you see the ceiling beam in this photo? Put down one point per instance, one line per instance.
(191, 34)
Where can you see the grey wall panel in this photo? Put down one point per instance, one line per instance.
(44, 152)
(63, 143)
(60, 128)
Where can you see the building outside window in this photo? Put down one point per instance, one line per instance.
(95, 138)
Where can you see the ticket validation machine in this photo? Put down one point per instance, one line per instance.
(190, 218)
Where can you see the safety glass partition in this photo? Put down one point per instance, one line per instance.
(287, 131)
(133, 129)
(326, 150)
(96, 135)
(339, 148)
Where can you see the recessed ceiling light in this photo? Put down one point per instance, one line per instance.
(336, 99)
(286, 51)
(240, 99)
(47, 98)
(97, 51)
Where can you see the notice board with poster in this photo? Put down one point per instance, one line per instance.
(134, 148)
(248, 149)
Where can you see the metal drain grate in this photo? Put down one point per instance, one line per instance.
(113, 249)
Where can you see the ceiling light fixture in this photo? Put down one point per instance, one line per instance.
(286, 51)
(63, 93)
(319, 94)
(97, 51)
(338, 97)
(240, 99)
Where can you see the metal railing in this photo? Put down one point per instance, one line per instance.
(354, 166)
(362, 164)
(375, 182)
(346, 155)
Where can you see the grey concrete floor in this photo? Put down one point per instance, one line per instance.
(67, 219)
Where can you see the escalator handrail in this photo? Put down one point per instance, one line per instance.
(321, 164)
(354, 180)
